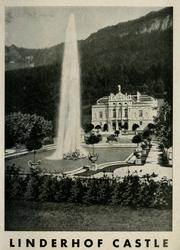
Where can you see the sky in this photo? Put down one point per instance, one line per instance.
(41, 27)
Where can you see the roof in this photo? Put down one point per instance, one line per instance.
(103, 100)
(146, 98)
(142, 99)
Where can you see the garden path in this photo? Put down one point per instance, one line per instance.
(151, 166)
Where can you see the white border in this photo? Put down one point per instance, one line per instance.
(173, 237)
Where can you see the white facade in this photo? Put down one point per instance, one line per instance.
(118, 110)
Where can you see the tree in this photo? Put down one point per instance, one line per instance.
(163, 125)
(144, 52)
(158, 87)
(135, 126)
(92, 139)
(146, 133)
(137, 139)
(34, 141)
(98, 127)
(145, 88)
(151, 126)
(116, 133)
(88, 127)
(18, 127)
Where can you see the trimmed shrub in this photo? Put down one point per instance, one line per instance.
(77, 191)
(45, 189)
(63, 191)
(117, 133)
(111, 138)
(146, 134)
(137, 139)
(119, 188)
(135, 126)
(32, 189)
(104, 191)
(131, 190)
(163, 195)
(91, 194)
(15, 184)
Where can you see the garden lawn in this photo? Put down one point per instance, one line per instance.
(107, 154)
(36, 216)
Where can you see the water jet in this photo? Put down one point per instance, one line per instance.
(69, 114)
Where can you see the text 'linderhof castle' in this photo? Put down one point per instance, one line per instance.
(120, 110)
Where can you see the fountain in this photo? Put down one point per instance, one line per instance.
(69, 119)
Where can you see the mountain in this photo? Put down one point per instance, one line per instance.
(17, 57)
(154, 21)
(136, 54)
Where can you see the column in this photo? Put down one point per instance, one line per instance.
(117, 127)
(117, 117)
(122, 115)
(109, 126)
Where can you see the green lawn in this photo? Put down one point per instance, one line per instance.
(107, 154)
(35, 216)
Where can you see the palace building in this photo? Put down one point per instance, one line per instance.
(120, 110)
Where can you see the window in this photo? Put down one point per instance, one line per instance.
(114, 113)
(126, 113)
(100, 114)
(140, 122)
(140, 113)
(125, 125)
(114, 125)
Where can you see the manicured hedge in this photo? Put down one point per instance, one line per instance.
(130, 190)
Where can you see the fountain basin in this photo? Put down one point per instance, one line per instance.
(106, 154)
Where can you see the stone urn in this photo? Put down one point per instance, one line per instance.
(33, 164)
(93, 157)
